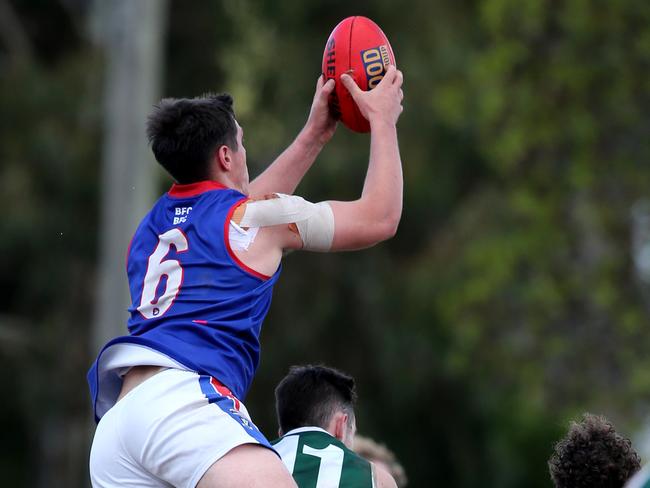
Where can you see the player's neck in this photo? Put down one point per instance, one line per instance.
(226, 180)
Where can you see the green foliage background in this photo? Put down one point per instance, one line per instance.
(506, 304)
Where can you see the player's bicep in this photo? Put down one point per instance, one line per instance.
(354, 229)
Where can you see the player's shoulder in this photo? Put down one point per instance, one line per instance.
(322, 439)
(270, 209)
(641, 479)
(240, 210)
(383, 479)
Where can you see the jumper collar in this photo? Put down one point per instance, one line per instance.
(300, 430)
(194, 189)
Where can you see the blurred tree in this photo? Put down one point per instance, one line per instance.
(534, 286)
(49, 148)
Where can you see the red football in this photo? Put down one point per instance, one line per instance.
(356, 46)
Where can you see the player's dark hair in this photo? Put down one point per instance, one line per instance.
(310, 395)
(593, 455)
(184, 133)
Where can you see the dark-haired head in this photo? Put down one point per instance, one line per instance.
(316, 396)
(185, 133)
(593, 455)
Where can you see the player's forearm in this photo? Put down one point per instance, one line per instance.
(383, 187)
(288, 169)
(374, 217)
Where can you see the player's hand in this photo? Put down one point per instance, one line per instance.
(382, 103)
(321, 124)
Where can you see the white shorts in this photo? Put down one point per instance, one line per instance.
(168, 431)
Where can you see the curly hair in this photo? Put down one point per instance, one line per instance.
(593, 455)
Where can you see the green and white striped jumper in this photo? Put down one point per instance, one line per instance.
(317, 459)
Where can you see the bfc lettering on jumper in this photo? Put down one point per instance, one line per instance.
(181, 214)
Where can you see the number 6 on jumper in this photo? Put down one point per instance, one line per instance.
(150, 305)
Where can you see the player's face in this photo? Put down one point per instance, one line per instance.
(239, 158)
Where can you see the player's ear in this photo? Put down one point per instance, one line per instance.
(340, 425)
(223, 157)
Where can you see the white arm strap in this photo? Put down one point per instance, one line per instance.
(315, 221)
